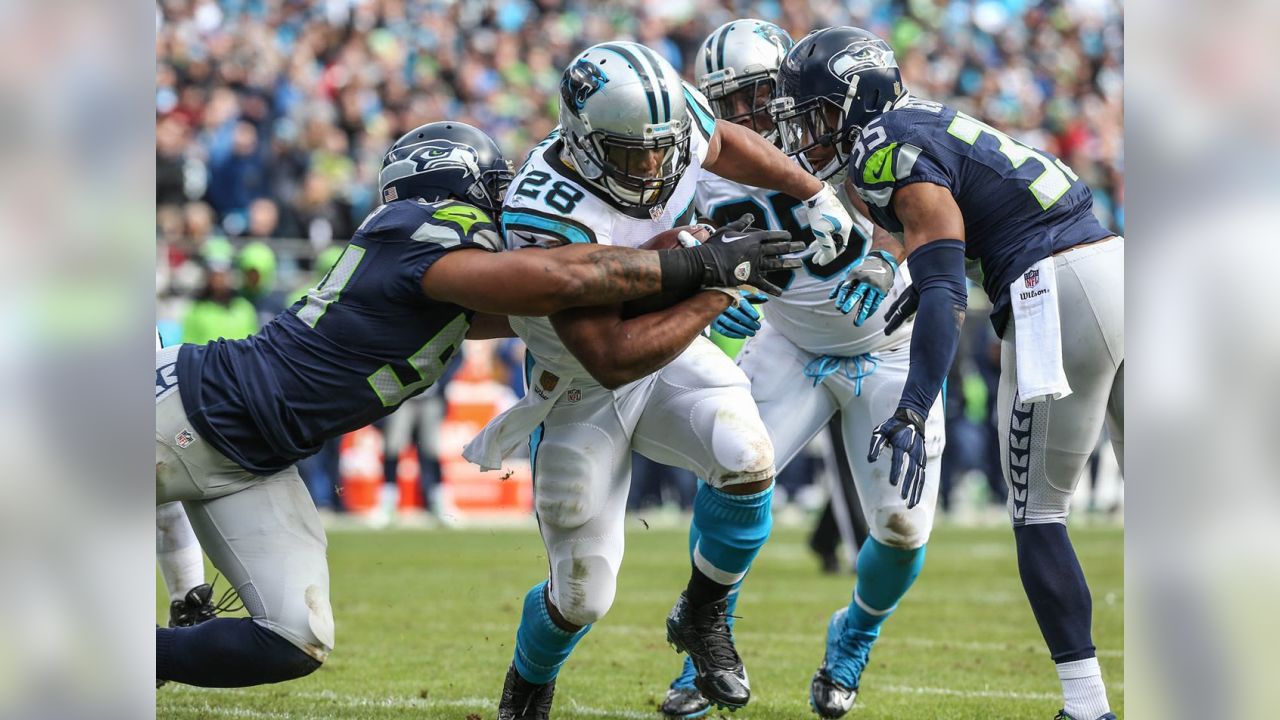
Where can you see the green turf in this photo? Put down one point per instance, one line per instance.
(425, 621)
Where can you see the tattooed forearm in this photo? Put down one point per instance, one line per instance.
(613, 275)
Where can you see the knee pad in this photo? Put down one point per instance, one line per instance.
(583, 588)
(900, 528)
(566, 496)
(307, 624)
(740, 445)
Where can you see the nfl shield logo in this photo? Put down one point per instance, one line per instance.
(1031, 278)
(184, 439)
(655, 212)
(574, 395)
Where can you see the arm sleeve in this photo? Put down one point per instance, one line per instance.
(937, 270)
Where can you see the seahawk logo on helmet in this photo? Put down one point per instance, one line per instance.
(832, 84)
(861, 55)
(624, 122)
(445, 160)
(440, 154)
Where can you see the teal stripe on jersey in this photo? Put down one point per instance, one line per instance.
(705, 121)
(517, 219)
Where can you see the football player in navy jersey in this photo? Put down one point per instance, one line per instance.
(234, 417)
(953, 188)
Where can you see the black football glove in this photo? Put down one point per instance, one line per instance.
(904, 432)
(737, 255)
(901, 309)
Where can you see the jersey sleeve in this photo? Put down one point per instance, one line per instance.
(704, 122)
(424, 232)
(702, 197)
(889, 156)
(525, 227)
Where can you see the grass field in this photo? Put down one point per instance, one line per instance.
(426, 619)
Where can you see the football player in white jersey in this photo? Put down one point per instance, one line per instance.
(622, 169)
(809, 361)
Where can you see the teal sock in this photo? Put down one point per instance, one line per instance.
(884, 576)
(728, 531)
(541, 645)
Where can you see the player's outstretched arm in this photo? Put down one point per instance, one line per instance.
(934, 235)
(544, 281)
(740, 154)
(485, 326)
(541, 282)
(617, 351)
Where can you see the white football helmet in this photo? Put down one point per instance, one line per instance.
(738, 71)
(625, 122)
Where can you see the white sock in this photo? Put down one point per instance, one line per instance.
(1086, 696)
(177, 550)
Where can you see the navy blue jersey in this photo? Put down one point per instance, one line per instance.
(1020, 205)
(349, 352)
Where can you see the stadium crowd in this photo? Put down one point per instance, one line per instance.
(272, 115)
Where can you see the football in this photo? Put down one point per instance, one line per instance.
(663, 241)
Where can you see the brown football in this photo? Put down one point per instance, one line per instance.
(662, 241)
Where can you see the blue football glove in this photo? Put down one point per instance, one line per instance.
(904, 432)
(865, 286)
(742, 321)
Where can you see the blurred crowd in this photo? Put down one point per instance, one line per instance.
(272, 115)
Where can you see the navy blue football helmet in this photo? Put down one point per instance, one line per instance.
(445, 160)
(832, 83)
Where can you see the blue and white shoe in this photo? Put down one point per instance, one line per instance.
(1062, 715)
(684, 701)
(835, 685)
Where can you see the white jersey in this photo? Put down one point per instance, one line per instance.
(549, 204)
(804, 314)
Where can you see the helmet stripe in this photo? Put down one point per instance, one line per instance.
(720, 45)
(642, 72)
(662, 80)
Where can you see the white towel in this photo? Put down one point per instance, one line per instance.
(1038, 334)
(512, 428)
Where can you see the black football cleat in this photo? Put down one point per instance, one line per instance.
(683, 700)
(522, 700)
(704, 633)
(828, 698)
(1062, 715)
(684, 703)
(193, 609)
(198, 606)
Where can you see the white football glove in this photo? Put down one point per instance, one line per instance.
(830, 224)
